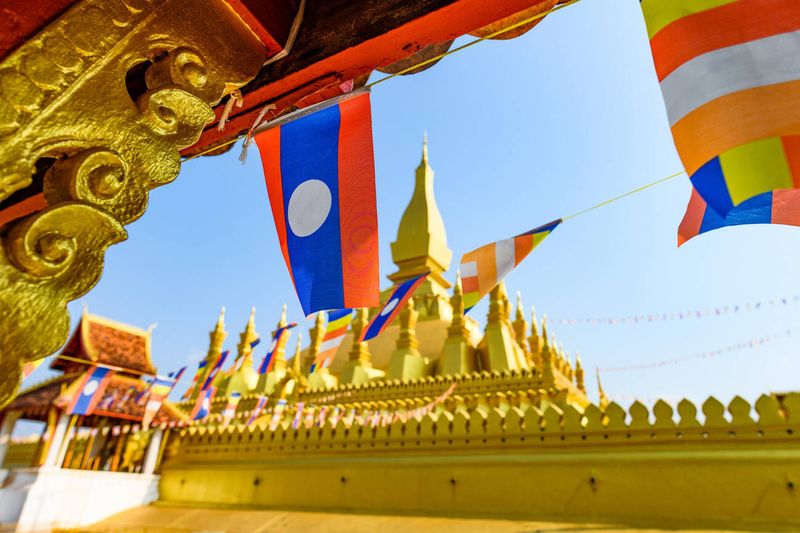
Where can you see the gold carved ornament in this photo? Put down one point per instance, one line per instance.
(98, 106)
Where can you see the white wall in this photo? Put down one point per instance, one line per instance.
(46, 498)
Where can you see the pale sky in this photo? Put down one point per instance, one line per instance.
(521, 132)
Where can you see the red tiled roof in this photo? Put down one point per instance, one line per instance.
(100, 340)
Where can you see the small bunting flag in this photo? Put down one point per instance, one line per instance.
(277, 339)
(87, 392)
(261, 404)
(230, 408)
(215, 370)
(392, 307)
(202, 407)
(200, 366)
(484, 268)
(159, 390)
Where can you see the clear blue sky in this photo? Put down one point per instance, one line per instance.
(521, 132)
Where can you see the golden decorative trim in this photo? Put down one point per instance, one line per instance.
(99, 104)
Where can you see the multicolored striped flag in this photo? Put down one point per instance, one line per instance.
(87, 391)
(177, 375)
(230, 408)
(730, 75)
(127, 396)
(484, 268)
(392, 307)
(277, 339)
(215, 370)
(298, 415)
(200, 366)
(159, 390)
(277, 414)
(776, 207)
(261, 404)
(202, 407)
(320, 178)
(335, 330)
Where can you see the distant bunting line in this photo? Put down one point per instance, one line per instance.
(678, 315)
(745, 345)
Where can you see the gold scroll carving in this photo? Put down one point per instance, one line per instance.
(98, 105)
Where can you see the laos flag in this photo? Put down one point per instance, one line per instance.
(320, 175)
(392, 307)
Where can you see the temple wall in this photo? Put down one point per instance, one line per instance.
(735, 468)
(48, 498)
(20, 454)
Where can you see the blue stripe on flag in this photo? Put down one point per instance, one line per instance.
(89, 390)
(386, 311)
(757, 210)
(709, 180)
(310, 151)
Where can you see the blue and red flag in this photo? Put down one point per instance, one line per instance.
(393, 305)
(202, 406)
(215, 370)
(89, 390)
(320, 176)
(261, 403)
(777, 207)
(277, 338)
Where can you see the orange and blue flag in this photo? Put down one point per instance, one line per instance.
(392, 307)
(200, 366)
(729, 72)
(214, 370)
(776, 207)
(277, 340)
(320, 178)
(89, 391)
(159, 390)
(202, 407)
(484, 268)
(261, 403)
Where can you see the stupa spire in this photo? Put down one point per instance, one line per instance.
(421, 243)
(600, 392)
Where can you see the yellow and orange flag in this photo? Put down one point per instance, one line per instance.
(729, 72)
(484, 268)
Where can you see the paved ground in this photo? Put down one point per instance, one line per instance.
(181, 519)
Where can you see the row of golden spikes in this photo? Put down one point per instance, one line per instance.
(542, 350)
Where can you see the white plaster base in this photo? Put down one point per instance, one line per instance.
(47, 498)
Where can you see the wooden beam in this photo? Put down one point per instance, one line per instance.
(340, 40)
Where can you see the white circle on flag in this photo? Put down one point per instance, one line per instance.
(273, 345)
(309, 207)
(90, 387)
(390, 306)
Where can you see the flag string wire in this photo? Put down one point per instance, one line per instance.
(744, 345)
(624, 195)
(406, 70)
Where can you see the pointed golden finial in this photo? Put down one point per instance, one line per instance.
(360, 350)
(458, 325)
(521, 327)
(421, 244)
(601, 393)
(425, 147)
(535, 341)
(249, 335)
(316, 334)
(579, 375)
(547, 354)
(407, 339)
(283, 322)
(297, 364)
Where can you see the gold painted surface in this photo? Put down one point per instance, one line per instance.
(65, 105)
(738, 468)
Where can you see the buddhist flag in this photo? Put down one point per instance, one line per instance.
(176, 376)
(298, 415)
(89, 390)
(230, 408)
(338, 321)
(730, 75)
(484, 268)
(215, 370)
(261, 403)
(277, 414)
(320, 178)
(159, 390)
(277, 338)
(776, 207)
(200, 366)
(202, 406)
(393, 305)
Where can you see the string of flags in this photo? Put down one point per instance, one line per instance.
(745, 345)
(691, 314)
